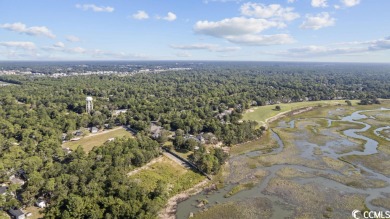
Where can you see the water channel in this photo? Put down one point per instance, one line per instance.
(280, 208)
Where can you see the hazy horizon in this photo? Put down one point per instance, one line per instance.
(202, 30)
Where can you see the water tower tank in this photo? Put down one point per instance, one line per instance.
(89, 99)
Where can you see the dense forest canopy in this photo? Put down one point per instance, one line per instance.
(210, 97)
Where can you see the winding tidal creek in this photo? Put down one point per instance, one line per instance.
(304, 155)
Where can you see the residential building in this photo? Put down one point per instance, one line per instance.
(17, 214)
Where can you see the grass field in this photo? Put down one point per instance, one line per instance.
(35, 212)
(262, 113)
(176, 177)
(92, 140)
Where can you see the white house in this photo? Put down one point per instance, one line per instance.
(40, 203)
(94, 130)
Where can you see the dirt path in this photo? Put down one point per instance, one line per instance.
(177, 160)
(283, 114)
(146, 166)
(169, 212)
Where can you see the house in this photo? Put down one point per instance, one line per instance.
(78, 133)
(210, 138)
(3, 190)
(226, 112)
(63, 137)
(118, 112)
(67, 150)
(17, 213)
(40, 203)
(94, 130)
(16, 180)
(200, 138)
(155, 130)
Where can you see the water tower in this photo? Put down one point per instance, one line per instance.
(89, 105)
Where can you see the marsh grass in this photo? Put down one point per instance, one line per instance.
(289, 173)
(311, 199)
(382, 202)
(238, 188)
(265, 143)
(247, 209)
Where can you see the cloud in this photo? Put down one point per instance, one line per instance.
(337, 49)
(170, 17)
(59, 45)
(319, 3)
(19, 45)
(350, 3)
(140, 15)
(318, 21)
(183, 54)
(94, 8)
(244, 31)
(223, 1)
(381, 44)
(227, 49)
(308, 51)
(79, 50)
(234, 26)
(274, 11)
(291, 1)
(209, 47)
(261, 40)
(97, 53)
(71, 38)
(32, 31)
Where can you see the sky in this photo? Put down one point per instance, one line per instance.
(268, 30)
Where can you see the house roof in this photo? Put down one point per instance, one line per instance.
(16, 180)
(155, 129)
(16, 212)
(40, 201)
(3, 189)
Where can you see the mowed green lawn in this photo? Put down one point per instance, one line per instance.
(262, 113)
(92, 140)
